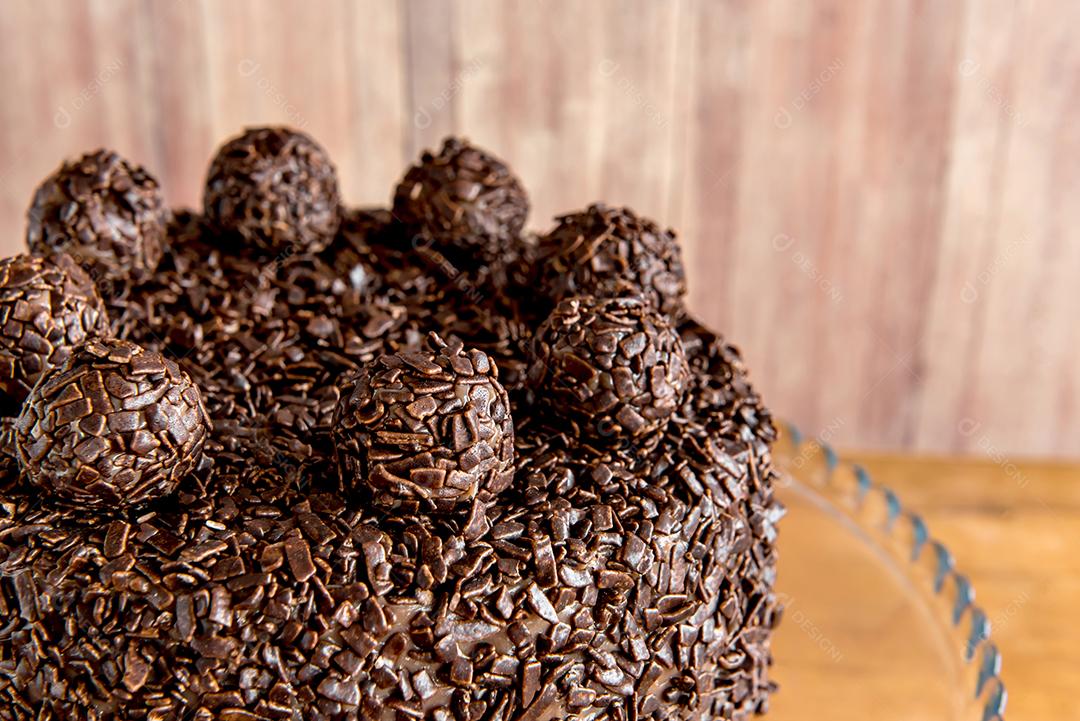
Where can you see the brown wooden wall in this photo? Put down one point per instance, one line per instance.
(878, 200)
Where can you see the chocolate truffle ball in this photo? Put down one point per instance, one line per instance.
(431, 426)
(47, 307)
(276, 189)
(106, 212)
(606, 251)
(463, 199)
(9, 457)
(114, 426)
(615, 366)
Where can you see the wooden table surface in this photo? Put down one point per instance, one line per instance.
(1013, 528)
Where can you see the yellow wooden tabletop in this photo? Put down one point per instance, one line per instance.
(1014, 529)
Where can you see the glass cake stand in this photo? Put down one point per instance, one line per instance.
(878, 622)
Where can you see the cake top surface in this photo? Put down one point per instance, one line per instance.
(382, 422)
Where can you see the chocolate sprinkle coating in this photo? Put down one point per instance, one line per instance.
(47, 307)
(431, 425)
(114, 426)
(104, 211)
(276, 189)
(606, 251)
(608, 581)
(613, 365)
(464, 199)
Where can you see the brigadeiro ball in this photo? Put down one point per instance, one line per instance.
(114, 426)
(462, 199)
(606, 251)
(615, 366)
(47, 307)
(9, 457)
(431, 426)
(106, 212)
(276, 189)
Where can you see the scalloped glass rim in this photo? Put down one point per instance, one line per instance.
(876, 514)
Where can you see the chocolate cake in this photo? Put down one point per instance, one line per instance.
(320, 463)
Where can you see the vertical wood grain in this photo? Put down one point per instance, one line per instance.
(635, 104)
(1027, 371)
(534, 106)
(175, 75)
(980, 137)
(876, 200)
(911, 85)
(714, 68)
(375, 145)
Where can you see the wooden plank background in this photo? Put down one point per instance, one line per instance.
(877, 200)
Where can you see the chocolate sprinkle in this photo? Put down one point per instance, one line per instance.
(104, 211)
(606, 580)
